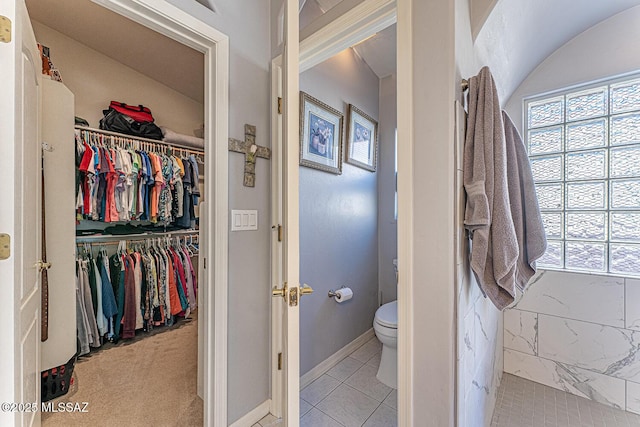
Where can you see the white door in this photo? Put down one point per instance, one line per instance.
(20, 153)
(286, 308)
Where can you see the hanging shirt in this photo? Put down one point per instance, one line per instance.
(185, 220)
(109, 305)
(138, 289)
(129, 318)
(103, 325)
(94, 334)
(81, 322)
(181, 283)
(116, 268)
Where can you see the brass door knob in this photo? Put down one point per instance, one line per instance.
(282, 292)
(305, 290)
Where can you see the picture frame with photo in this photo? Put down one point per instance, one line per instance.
(362, 139)
(320, 135)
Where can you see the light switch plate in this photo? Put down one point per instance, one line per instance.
(244, 220)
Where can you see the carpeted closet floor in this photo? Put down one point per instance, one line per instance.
(149, 382)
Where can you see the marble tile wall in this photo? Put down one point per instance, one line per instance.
(480, 356)
(579, 333)
(479, 326)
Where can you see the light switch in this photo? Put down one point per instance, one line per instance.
(244, 220)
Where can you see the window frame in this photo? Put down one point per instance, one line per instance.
(563, 181)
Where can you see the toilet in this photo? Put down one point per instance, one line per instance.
(385, 325)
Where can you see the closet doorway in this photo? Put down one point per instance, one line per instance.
(208, 89)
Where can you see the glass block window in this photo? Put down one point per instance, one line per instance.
(584, 147)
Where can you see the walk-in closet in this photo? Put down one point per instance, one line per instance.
(124, 328)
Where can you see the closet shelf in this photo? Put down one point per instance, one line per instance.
(143, 140)
(142, 236)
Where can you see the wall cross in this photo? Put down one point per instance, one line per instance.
(251, 151)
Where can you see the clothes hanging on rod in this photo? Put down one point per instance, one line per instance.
(120, 179)
(143, 285)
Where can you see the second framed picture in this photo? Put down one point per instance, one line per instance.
(362, 139)
(320, 135)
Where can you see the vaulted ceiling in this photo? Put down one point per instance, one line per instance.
(518, 35)
(146, 51)
(378, 51)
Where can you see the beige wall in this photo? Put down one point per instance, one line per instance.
(426, 69)
(96, 79)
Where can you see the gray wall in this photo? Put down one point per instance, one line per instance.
(387, 224)
(338, 222)
(246, 22)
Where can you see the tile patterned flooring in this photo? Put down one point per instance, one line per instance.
(349, 395)
(524, 403)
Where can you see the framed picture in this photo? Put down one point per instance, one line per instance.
(362, 140)
(320, 135)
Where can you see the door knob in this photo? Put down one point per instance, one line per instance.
(305, 290)
(282, 292)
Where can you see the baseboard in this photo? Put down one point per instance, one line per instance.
(333, 360)
(255, 415)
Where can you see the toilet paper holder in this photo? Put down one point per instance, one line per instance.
(333, 293)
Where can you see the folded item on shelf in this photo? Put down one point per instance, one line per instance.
(179, 138)
(122, 229)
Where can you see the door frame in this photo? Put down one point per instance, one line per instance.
(276, 405)
(169, 20)
(352, 26)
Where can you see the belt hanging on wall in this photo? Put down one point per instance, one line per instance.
(43, 265)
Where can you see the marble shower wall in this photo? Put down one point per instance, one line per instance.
(480, 330)
(579, 333)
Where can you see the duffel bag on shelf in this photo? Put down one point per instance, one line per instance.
(130, 120)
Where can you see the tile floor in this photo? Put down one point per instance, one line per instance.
(524, 403)
(349, 394)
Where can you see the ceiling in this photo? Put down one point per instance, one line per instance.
(516, 37)
(125, 41)
(378, 51)
(519, 35)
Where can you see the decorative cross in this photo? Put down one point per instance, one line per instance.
(250, 150)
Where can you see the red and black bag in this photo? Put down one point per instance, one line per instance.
(130, 120)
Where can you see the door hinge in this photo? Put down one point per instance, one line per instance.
(204, 262)
(279, 105)
(279, 361)
(5, 29)
(5, 246)
(279, 233)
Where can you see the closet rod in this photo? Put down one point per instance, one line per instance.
(136, 138)
(117, 237)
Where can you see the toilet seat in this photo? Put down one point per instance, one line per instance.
(387, 315)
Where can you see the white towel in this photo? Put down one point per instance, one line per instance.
(494, 249)
(525, 212)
